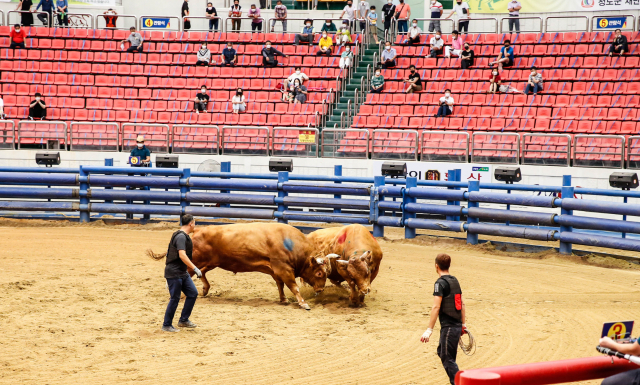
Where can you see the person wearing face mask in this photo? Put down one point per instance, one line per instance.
(298, 74)
(436, 13)
(142, 152)
(436, 44)
(535, 82)
(346, 58)
(462, 9)
(228, 56)
(361, 14)
(388, 12)
(456, 45)
(494, 81)
(505, 58)
(235, 13)
(514, 8)
(201, 101)
(203, 55)
(403, 13)
(329, 27)
(238, 101)
(343, 36)
(446, 104)
(256, 18)
(26, 17)
(299, 92)
(325, 45)
(466, 57)
(280, 15)
(135, 40)
(414, 33)
(307, 34)
(212, 15)
(372, 19)
(350, 11)
(37, 108)
(620, 45)
(269, 55)
(17, 37)
(388, 56)
(185, 13)
(413, 81)
(377, 82)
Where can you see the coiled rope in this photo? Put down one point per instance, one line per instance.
(468, 348)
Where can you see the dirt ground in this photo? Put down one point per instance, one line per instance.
(83, 304)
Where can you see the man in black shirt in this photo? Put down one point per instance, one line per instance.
(212, 14)
(37, 108)
(466, 57)
(414, 81)
(620, 45)
(179, 281)
(269, 55)
(185, 13)
(202, 100)
(448, 306)
(388, 10)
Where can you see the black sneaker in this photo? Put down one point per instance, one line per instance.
(170, 329)
(187, 324)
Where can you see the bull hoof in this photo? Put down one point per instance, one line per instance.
(305, 306)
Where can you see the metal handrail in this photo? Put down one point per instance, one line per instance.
(512, 150)
(524, 150)
(103, 17)
(546, 23)
(231, 30)
(632, 24)
(37, 123)
(108, 124)
(225, 141)
(539, 30)
(69, 15)
(495, 25)
(35, 13)
(576, 152)
(176, 150)
(336, 145)
(142, 27)
(314, 145)
(13, 133)
(203, 18)
(425, 30)
(374, 145)
(629, 153)
(2, 17)
(457, 133)
(165, 126)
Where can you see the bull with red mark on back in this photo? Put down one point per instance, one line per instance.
(280, 250)
(359, 257)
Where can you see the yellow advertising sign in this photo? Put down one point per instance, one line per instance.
(545, 6)
(307, 137)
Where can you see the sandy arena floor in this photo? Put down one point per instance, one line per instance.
(85, 305)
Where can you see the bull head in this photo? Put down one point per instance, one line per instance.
(358, 269)
(317, 272)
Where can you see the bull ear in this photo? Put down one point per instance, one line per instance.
(366, 256)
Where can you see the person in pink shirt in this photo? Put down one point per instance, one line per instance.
(456, 45)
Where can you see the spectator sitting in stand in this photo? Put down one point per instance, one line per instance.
(494, 81)
(141, 151)
(388, 56)
(343, 36)
(619, 45)
(329, 27)
(212, 15)
(535, 82)
(110, 18)
(446, 104)
(372, 18)
(37, 108)
(280, 15)
(436, 45)
(202, 100)
(296, 75)
(456, 45)
(414, 33)
(203, 55)
(505, 59)
(288, 94)
(346, 58)
(414, 81)
(377, 82)
(2, 115)
(256, 18)
(229, 56)
(466, 57)
(307, 33)
(17, 37)
(238, 101)
(269, 55)
(325, 45)
(299, 92)
(135, 39)
(62, 8)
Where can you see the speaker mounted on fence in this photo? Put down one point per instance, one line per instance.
(508, 174)
(48, 159)
(623, 180)
(394, 169)
(280, 164)
(167, 161)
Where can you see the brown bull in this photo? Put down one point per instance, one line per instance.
(359, 257)
(280, 250)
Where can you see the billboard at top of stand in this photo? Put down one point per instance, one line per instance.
(440, 170)
(543, 6)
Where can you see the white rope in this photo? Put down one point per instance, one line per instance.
(470, 347)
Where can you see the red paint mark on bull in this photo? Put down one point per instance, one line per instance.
(342, 238)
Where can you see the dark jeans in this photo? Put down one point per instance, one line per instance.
(268, 63)
(307, 38)
(44, 19)
(444, 111)
(321, 52)
(184, 285)
(536, 88)
(415, 40)
(435, 52)
(402, 26)
(363, 25)
(434, 25)
(632, 377)
(379, 90)
(256, 26)
(390, 64)
(202, 63)
(200, 106)
(613, 49)
(448, 349)
(135, 48)
(235, 25)
(34, 115)
(213, 24)
(514, 21)
(228, 62)
(463, 25)
(17, 45)
(464, 64)
(63, 20)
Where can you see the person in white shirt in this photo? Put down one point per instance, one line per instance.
(436, 43)
(461, 8)
(296, 75)
(350, 11)
(238, 101)
(203, 55)
(363, 9)
(514, 8)
(436, 13)
(414, 33)
(446, 104)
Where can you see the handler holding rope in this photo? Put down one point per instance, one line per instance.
(449, 307)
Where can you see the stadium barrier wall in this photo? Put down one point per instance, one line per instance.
(409, 203)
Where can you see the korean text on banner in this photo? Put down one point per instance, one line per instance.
(545, 6)
(156, 23)
(307, 137)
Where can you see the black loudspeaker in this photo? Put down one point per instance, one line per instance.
(167, 161)
(280, 164)
(508, 174)
(623, 180)
(48, 158)
(394, 169)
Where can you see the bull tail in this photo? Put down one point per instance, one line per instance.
(155, 256)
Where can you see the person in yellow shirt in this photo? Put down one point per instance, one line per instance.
(325, 44)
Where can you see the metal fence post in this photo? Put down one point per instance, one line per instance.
(624, 218)
(409, 233)
(283, 176)
(458, 179)
(472, 238)
(225, 167)
(451, 176)
(378, 181)
(108, 162)
(567, 193)
(184, 189)
(337, 171)
(84, 196)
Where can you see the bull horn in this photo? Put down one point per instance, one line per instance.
(333, 256)
(341, 262)
(365, 254)
(320, 261)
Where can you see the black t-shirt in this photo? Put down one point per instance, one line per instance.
(203, 96)
(177, 268)
(212, 11)
(442, 289)
(415, 76)
(38, 111)
(388, 10)
(185, 9)
(470, 54)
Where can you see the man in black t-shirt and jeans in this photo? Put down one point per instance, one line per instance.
(449, 307)
(179, 281)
